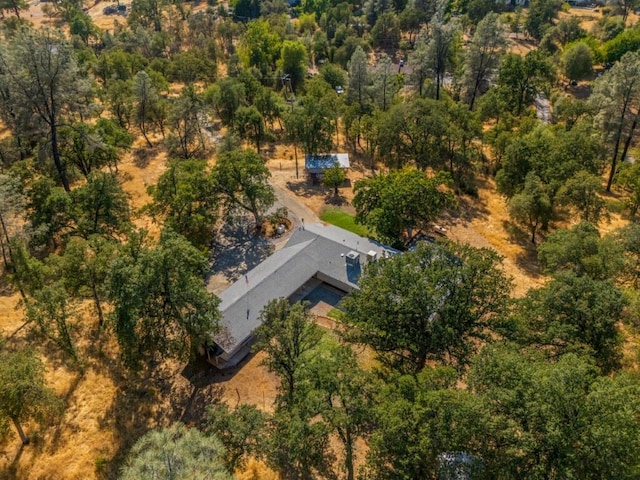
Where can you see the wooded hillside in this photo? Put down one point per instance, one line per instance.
(149, 150)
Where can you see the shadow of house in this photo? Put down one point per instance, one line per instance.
(319, 253)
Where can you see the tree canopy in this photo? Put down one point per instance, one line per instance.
(24, 394)
(161, 308)
(427, 305)
(241, 178)
(176, 452)
(401, 203)
(207, 108)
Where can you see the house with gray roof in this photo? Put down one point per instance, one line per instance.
(317, 253)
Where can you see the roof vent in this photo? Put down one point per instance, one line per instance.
(353, 258)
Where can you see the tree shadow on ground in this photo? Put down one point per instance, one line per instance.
(60, 421)
(11, 470)
(360, 162)
(469, 207)
(527, 259)
(207, 389)
(56, 356)
(143, 155)
(238, 249)
(159, 397)
(153, 398)
(6, 288)
(48, 436)
(306, 188)
(336, 200)
(202, 374)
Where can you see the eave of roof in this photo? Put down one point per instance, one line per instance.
(318, 248)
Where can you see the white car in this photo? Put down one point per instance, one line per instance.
(339, 90)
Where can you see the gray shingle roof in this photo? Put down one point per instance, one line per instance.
(319, 249)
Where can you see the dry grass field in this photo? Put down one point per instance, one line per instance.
(107, 409)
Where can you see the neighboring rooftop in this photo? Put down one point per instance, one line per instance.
(321, 251)
(320, 162)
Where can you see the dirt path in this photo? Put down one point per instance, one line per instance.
(104, 414)
(311, 200)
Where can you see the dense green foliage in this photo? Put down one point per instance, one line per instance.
(430, 106)
(176, 452)
(404, 200)
(556, 418)
(161, 307)
(24, 395)
(287, 333)
(571, 313)
(241, 178)
(427, 304)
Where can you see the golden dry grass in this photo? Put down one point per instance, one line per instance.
(256, 470)
(485, 222)
(589, 17)
(10, 313)
(106, 411)
(68, 448)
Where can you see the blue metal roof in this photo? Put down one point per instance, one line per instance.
(318, 163)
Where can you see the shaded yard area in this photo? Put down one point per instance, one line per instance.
(324, 295)
(237, 250)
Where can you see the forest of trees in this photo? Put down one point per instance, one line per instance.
(430, 100)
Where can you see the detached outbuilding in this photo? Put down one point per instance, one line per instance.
(316, 164)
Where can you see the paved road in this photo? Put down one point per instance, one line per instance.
(297, 209)
(543, 108)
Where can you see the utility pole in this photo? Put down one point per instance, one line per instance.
(290, 98)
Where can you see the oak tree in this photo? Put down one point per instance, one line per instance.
(437, 302)
(581, 250)
(333, 177)
(24, 394)
(161, 307)
(241, 178)
(401, 203)
(573, 313)
(532, 207)
(287, 333)
(185, 200)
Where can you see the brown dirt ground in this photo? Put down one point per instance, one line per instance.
(105, 412)
(481, 222)
(589, 17)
